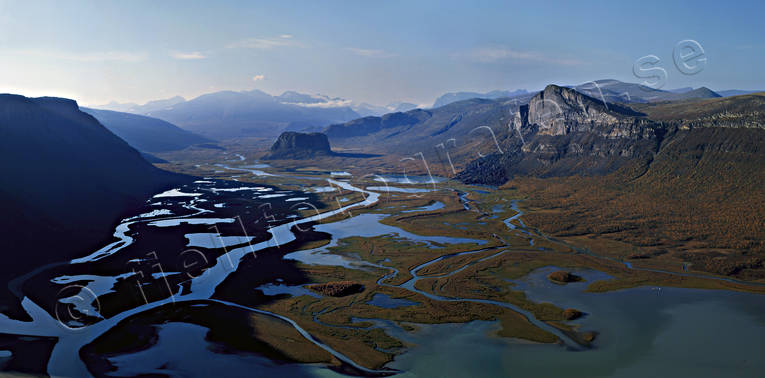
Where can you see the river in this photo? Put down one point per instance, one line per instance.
(641, 328)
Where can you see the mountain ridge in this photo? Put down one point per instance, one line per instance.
(582, 135)
(69, 181)
(146, 133)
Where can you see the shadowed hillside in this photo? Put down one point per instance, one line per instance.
(146, 133)
(67, 183)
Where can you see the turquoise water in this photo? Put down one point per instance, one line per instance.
(644, 331)
(183, 351)
(364, 225)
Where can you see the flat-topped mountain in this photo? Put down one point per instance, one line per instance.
(295, 145)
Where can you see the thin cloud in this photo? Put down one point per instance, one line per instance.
(370, 53)
(501, 54)
(284, 40)
(258, 77)
(188, 55)
(87, 57)
(339, 103)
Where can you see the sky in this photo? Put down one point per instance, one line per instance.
(365, 51)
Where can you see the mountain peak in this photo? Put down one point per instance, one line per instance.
(560, 110)
(452, 97)
(704, 92)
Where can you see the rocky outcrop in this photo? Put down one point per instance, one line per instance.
(562, 132)
(294, 145)
(561, 111)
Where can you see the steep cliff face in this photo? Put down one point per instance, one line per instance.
(562, 111)
(563, 132)
(294, 145)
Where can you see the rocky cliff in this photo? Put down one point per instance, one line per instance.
(294, 145)
(562, 132)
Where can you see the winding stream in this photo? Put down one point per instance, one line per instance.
(410, 285)
(65, 360)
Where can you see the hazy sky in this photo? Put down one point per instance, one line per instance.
(381, 51)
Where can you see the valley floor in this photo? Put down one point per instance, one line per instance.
(403, 259)
(461, 282)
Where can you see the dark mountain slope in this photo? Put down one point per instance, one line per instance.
(67, 181)
(146, 133)
(370, 125)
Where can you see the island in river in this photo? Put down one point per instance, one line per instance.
(252, 256)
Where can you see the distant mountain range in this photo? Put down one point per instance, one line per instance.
(449, 98)
(230, 114)
(142, 109)
(68, 181)
(617, 91)
(250, 113)
(456, 129)
(146, 134)
(464, 129)
(610, 89)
